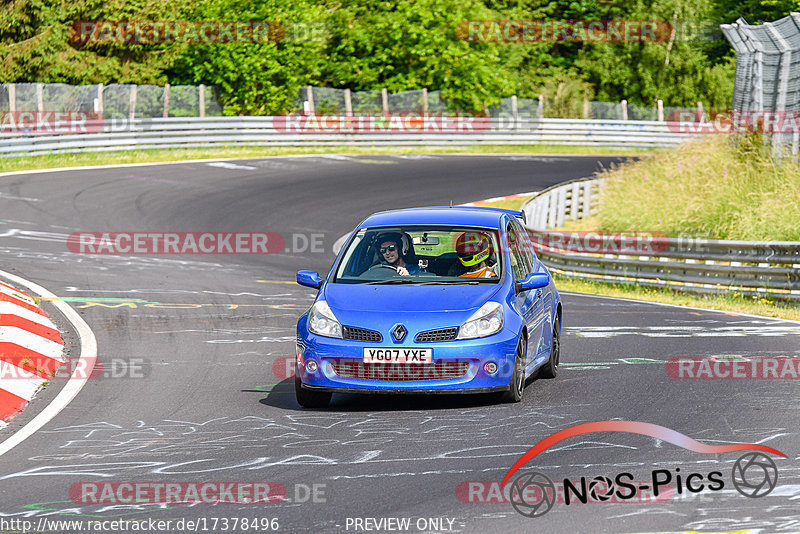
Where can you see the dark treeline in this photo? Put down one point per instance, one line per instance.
(370, 44)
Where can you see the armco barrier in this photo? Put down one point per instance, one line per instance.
(697, 265)
(262, 131)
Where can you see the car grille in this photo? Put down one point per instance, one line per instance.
(441, 370)
(443, 334)
(360, 334)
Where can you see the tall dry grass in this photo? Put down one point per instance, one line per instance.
(719, 187)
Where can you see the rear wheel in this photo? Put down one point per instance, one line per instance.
(517, 384)
(550, 369)
(310, 399)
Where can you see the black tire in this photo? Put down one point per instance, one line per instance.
(550, 369)
(516, 386)
(310, 399)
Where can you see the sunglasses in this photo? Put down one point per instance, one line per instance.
(390, 248)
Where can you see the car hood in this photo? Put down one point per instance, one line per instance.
(408, 298)
(419, 308)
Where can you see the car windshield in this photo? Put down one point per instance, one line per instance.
(421, 255)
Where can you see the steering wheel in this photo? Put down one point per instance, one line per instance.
(380, 271)
(382, 265)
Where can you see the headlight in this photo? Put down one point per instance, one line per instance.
(322, 321)
(486, 321)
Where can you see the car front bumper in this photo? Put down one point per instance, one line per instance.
(340, 366)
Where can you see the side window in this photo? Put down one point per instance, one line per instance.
(518, 263)
(525, 246)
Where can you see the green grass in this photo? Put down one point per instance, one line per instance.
(720, 188)
(731, 302)
(160, 155)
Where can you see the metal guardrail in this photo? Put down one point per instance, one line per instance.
(689, 264)
(262, 131)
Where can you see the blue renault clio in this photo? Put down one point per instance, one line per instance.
(430, 300)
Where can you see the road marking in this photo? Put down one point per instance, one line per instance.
(88, 356)
(710, 310)
(232, 166)
(681, 331)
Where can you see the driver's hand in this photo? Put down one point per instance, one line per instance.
(402, 271)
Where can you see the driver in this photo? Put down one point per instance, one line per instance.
(473, 249)
(390, 249)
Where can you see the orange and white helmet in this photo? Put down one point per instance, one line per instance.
(473, 248)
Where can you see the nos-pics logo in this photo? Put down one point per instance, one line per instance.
(533, 494)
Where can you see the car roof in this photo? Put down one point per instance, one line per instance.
(456, 216)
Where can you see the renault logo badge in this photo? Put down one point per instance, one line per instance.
(399, 332)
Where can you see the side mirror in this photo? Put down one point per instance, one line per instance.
(532, 281)
(309, 279)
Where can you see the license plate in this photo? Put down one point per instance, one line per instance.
(388, 355)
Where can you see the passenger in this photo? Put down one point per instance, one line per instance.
(473, 250)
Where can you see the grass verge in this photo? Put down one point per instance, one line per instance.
(50, 161)
(732, 302)
(720, 187)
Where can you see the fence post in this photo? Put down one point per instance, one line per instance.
(624, 105)
(40, 98)
(348, 103)
(540, 109)
(585, 107)
(202, 98)
(100, 99)
(514, 110)
(166, 101)
(784, 72)
(132, 107)
(700, 111)
(757, 79)
(310, 99)
(12, 97)
(425, 101)
(575, 201)
(660, 107)
(385, 101)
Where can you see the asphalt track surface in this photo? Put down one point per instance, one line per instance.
(206, 330)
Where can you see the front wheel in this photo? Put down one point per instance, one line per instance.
(517, 384)
(550, 369)
(310, 399)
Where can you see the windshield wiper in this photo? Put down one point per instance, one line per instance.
(420, 282)
(440, 283)
(392, 281)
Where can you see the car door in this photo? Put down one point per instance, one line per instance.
(526, 302)
(543, 298)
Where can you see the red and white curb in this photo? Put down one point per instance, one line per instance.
(85, 361)
(31, 350)
(498, 199)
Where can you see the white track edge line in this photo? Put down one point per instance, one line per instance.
(777, 319)
(88, 355)
(176, 162)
